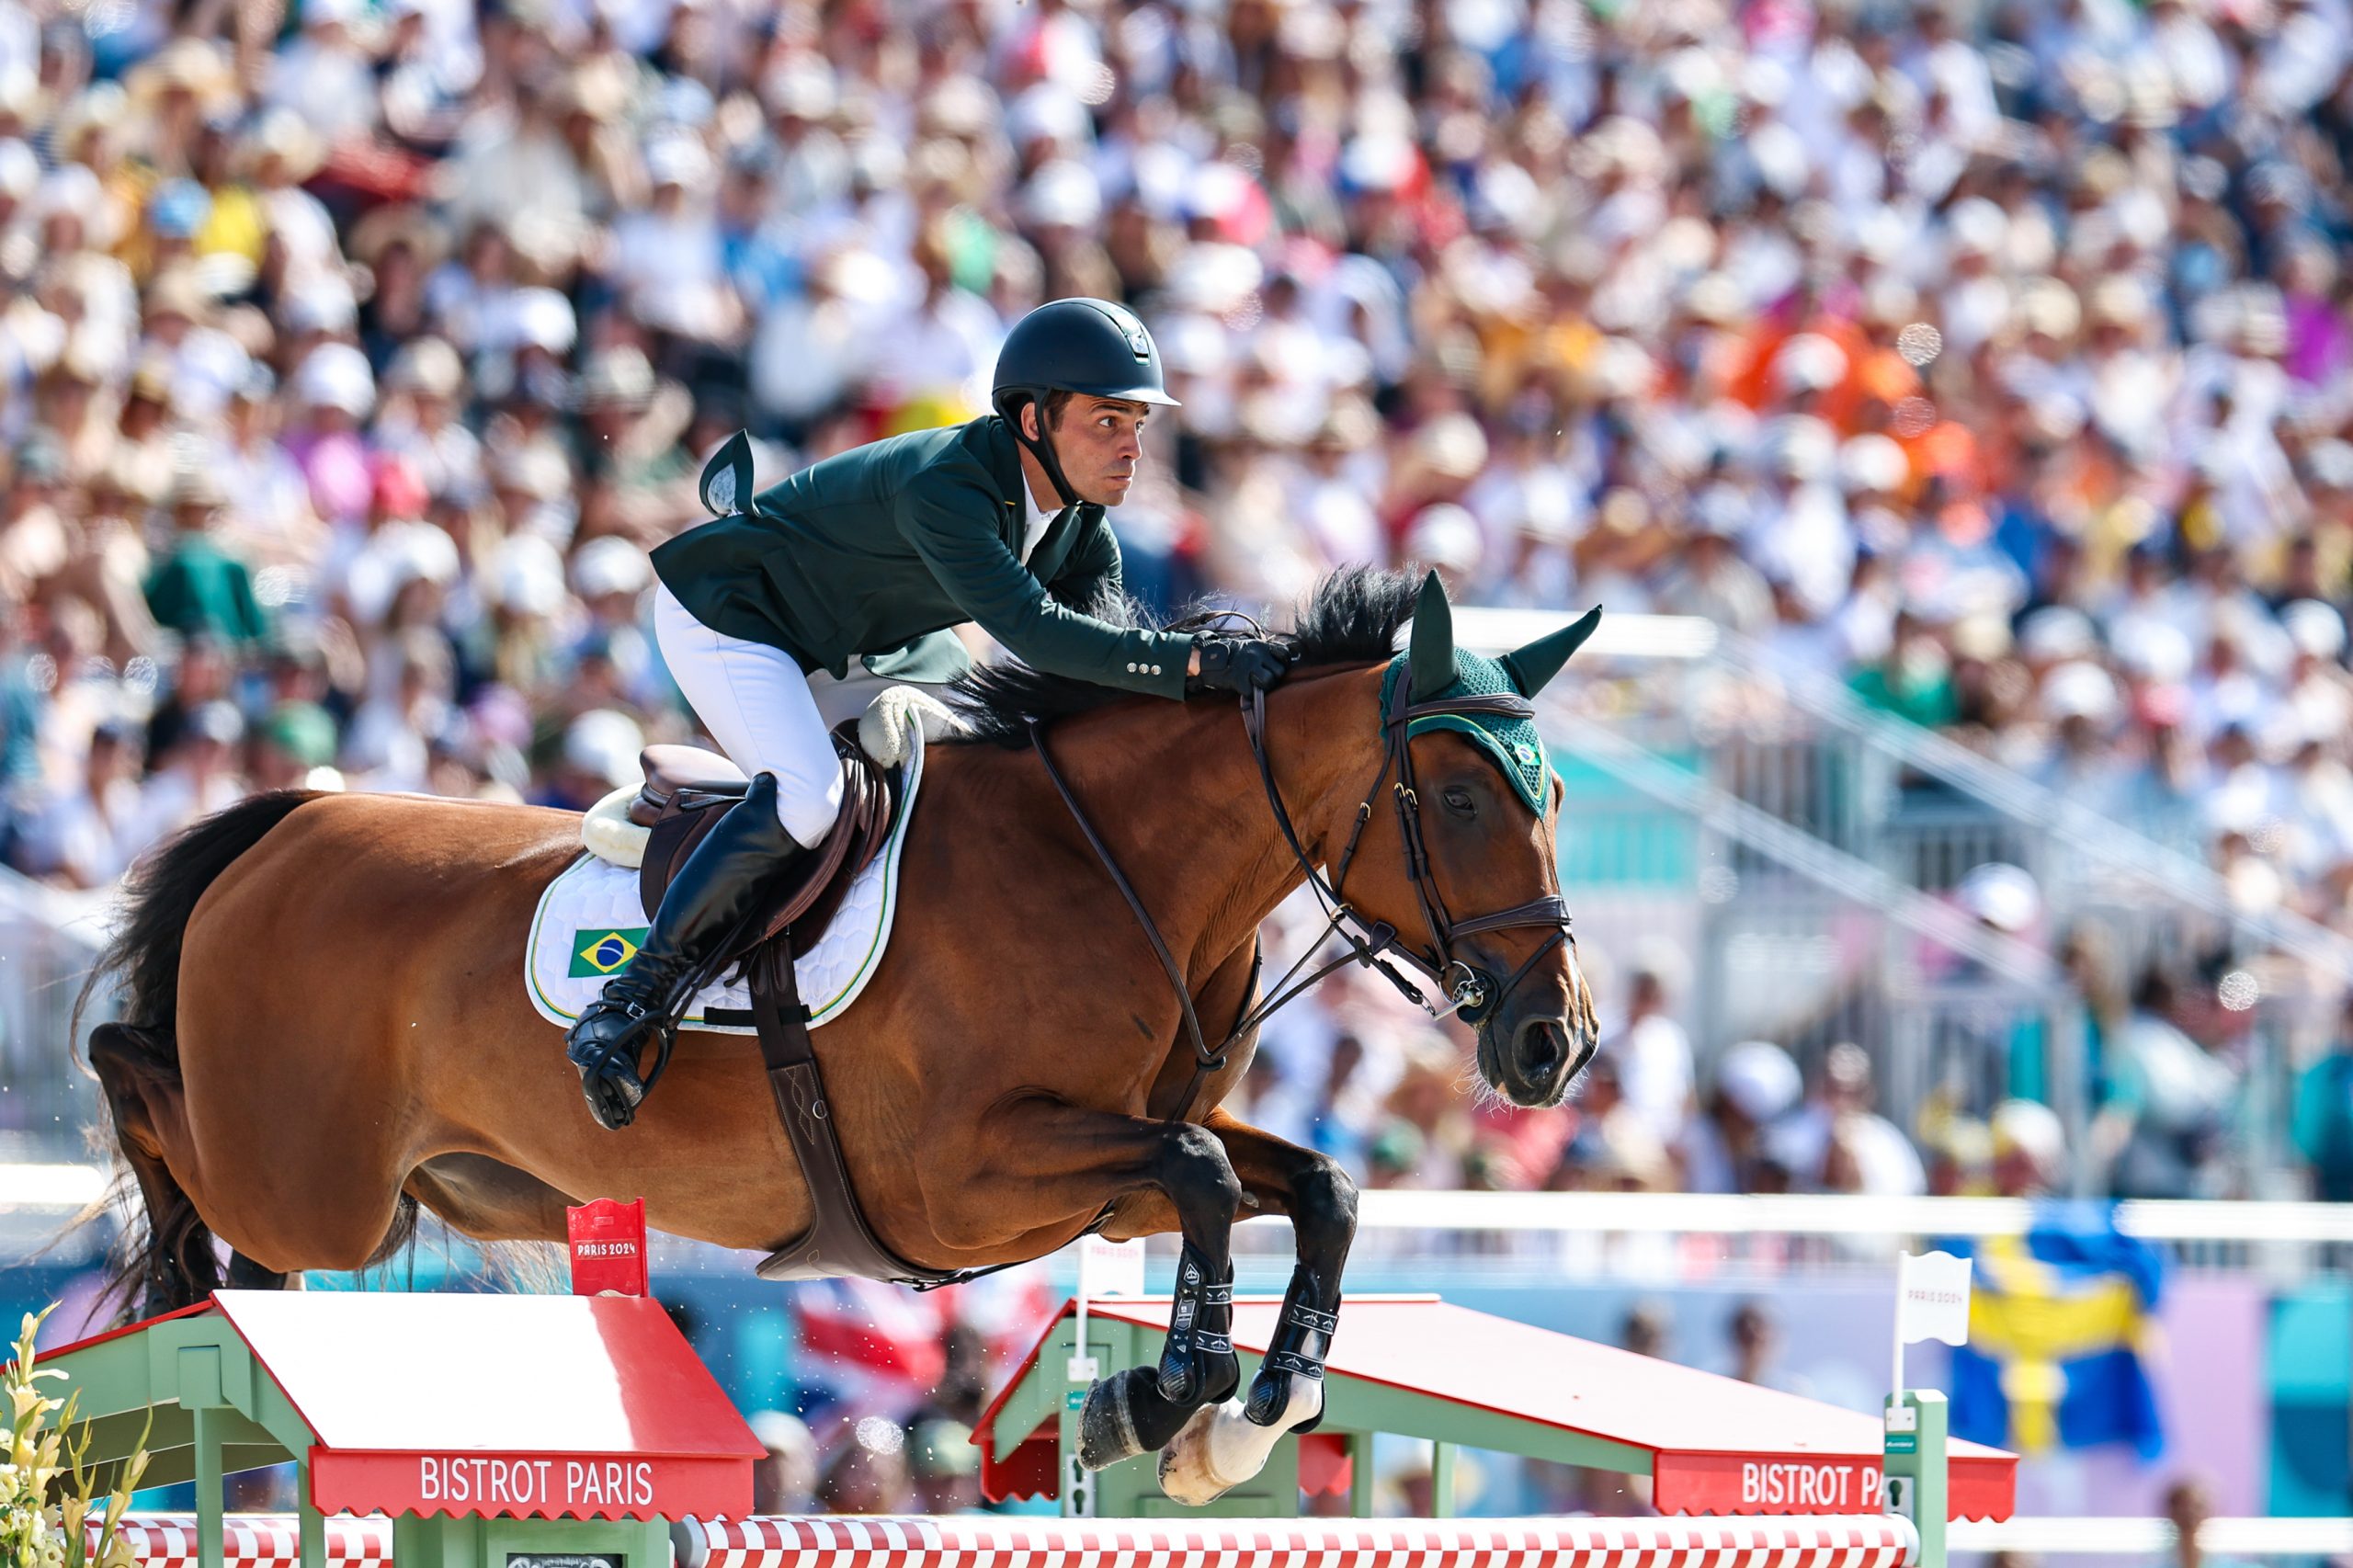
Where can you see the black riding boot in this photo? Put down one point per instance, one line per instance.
(715, 891)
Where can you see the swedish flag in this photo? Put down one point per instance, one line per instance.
(2057, 1325)
(605, 951)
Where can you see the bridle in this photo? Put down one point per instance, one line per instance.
(1472, 992)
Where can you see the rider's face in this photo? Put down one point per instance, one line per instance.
(1100, 442)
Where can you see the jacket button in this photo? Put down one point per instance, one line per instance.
(1155, 669)
(1132, 669)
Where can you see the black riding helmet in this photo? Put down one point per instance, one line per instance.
(1092, 347)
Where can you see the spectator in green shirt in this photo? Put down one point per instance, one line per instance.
(1913, 682)
(198, 587)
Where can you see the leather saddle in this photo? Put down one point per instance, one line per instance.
(687, 790)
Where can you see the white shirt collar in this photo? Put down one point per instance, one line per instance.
(1035, 515)
(1037, 518)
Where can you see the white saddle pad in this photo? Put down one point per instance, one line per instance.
(590, 921)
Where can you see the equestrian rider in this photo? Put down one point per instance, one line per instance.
(870, 557)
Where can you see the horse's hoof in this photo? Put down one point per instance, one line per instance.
(1107, 1427)
(1190, 1471)
(1220, 1447)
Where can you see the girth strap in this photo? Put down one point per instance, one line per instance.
(839, 1240)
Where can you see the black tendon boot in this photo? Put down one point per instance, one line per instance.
(1197, 1361)
(1143, 1408)
(715, 891)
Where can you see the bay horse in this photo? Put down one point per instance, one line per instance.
(323, 1020)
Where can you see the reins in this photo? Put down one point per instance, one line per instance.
(1472, 992)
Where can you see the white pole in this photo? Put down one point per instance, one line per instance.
(1078, 1352)
(1079, 1369)
(1902, 1261)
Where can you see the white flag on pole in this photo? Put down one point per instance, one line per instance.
(1932, 1299)
(1113, 1268)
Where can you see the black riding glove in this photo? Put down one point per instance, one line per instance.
(1238, 664)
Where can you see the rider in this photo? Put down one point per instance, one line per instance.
(871, 556)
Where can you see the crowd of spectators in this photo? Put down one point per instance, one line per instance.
(1990, 357)
(1367, 1080)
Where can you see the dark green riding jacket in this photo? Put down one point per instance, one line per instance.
(873, 554)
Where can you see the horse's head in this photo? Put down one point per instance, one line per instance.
(1459, 854)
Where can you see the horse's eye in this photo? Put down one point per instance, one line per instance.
(1458, 801)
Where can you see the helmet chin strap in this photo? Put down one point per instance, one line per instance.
(1044, 452)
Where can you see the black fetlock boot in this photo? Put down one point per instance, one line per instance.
(1302, 1339)
(717, 889)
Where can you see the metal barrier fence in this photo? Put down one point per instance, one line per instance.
(47, 940)
(1596, 1236)
(1823, 843)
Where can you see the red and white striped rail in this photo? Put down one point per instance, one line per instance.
(1840, 1540)
(253, 1540)
(1856, 1540)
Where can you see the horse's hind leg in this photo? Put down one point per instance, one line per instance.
(1226, 1444)
(245, 1274)
(488, 1200)
(1110, 1157)
(175, 1265)
(143, 1096)
(497, 1206)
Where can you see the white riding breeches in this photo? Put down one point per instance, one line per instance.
(757, 703)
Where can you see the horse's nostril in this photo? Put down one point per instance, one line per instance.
(1540, 1047)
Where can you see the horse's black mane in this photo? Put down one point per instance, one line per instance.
(1352, 617)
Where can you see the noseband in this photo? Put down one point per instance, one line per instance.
(1470, 991)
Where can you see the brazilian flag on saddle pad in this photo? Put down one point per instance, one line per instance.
(2057, 1325)
(605, 949)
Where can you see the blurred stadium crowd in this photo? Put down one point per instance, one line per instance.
(1991, 357)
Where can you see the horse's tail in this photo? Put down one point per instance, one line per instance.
(136, 1057)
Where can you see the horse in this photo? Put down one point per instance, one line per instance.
(323, 1024)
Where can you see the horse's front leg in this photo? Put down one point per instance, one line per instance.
(1077, 1161)
(1226, 1444)
(1138, 1410)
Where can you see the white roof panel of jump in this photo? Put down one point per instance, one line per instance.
(1697, 1425)
(551, 1405)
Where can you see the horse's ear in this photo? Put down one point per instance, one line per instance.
(727, 477)
(1430, 661)
(1531, 666)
